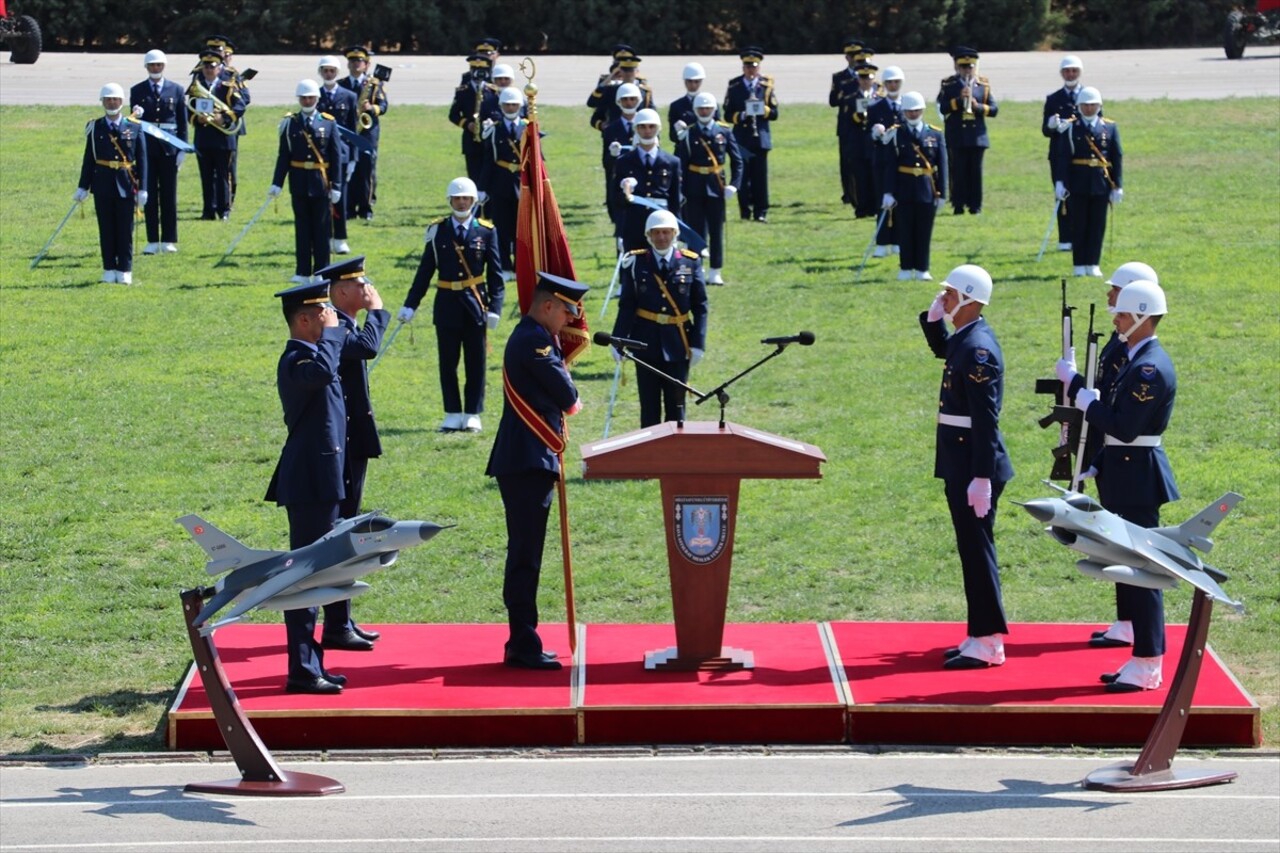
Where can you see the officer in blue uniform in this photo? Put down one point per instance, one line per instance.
(751, 106)
(215, 147)
(371, 105)
(1133, 472)
(462, 255)
(603, 100)
(114, 169)
(853, 90)
(618, 135)
(662, 303)
(341, 104)
(914, 173)
(884, 114)
(1059, 111)
(648, 172)
(487, 46)
(526, 459)
(500, 176)
(712, 168)
(971, 459)
(966, 102)
(1088, 178)
(474, 103)
(308, 480)
(160, 102)
(680, 112)
(310, 154)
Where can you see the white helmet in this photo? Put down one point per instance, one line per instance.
(462, 187)
(703, 100)
(912, 101)
(891, 72)
(1089, 95)
(1127, 274)
(1142, 299)
(111, 90)
(510, 95)
(1071, 62)
(155, 55)
(307, 89)
(972, 282)
(329, 62)
(628, 90)
(661, 219)
(648, 116)
(502, 71)
(694, 71)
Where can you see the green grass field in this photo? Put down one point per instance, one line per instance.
(126, 407)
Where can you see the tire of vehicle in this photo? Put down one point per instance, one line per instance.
(1234, 37)
(28, 41)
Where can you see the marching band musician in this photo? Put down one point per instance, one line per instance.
(474, 103)
(114, 170)
(160, 102)
(371, 105)
(852, 92)
(604, 99)
(215, 145)
(966, 102)
(751, 107)
(233, 77)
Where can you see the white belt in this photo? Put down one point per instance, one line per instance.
(963, 421)
(1140, 441)
(167, 125)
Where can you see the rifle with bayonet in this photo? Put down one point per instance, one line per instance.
(1090, 381)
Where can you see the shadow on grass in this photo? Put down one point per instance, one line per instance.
(120, 703)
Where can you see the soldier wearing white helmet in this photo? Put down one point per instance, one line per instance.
(971, 459)
(1059, 111)
(461, 254)
(680, 113)
(913, 172)
(885, 114)
(662, 303)
(114, 169)
(500, 176)
(339, 104)
(161, 102)
(1133, 473)
(649, 173)
(712, 167)
(617, 135)
(1088, 178)
(310, 155)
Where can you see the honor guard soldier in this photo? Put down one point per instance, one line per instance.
(504, 77)
(966, 102)
(914, 174)
(474, 103)
(462, 255)
(624, 69)
(971, 459)
(618, 135)
(751, 107)
(885, 114)
(663, 304)
(114, 169)
(500, 177)
(350, 292)
(680, 112)
(161, 102)
(371, 105)
(309, 478)
(538, 395)
(1059, 111)
(1133, 472)
(234, 78)
(1088, 179)
(217, 111)
(853, 90)
(310, 154)
(712, 171)
(488, 47)
(339, 103)
(648, 172)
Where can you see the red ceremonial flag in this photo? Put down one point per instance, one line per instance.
(541, 244)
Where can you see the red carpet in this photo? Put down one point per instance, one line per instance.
(443, 685)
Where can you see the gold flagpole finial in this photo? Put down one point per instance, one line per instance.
(530, 87)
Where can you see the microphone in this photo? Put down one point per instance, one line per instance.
(605, 339)
(804, 339)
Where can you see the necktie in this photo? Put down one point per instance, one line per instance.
(626, 125)
(648, 160)
(511, 129)
(462, 234)
(662, 267)
(156, 90)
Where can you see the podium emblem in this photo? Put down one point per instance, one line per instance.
(702, 527)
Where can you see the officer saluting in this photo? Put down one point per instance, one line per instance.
(751, 106)
(160, 102)
(310, 154)
(624, 69)
(114, 169)
(966, 102)
(663, 303)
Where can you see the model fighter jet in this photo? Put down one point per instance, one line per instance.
(320, 573)
(1122, 552)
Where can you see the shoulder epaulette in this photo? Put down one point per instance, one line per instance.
(284, 123)
(951, 79)
(88, 127)
(934, 127)
(485, 222)
(326, 115)
(463, 87)
(768, 78)
(442, 220)
(638, 251)
(724, 124)
(1107, 121)
(734, 80)
(689, 254)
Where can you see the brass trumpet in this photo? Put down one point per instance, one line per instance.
(215, 109)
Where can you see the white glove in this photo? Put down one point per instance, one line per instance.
(405, 314)
(1054, 121)
(681, 126)
(617, 355)
(888, 201)
(142, 198)
(491, 320)
(1059, 190)
(889, 135)
(1064, 126)
(1066, 367)
(979, 494)
(182, 155)
(936, 311)
(695, 356)
(1085, 398)
(730, 191)
(487, 124)
(80, 194)
(335, 196)
(1117, 196)
(138, 111)
(615, 148)
(877, 130)
(628, 184)
(273, 191)
(938, 203)
(483, 197)
(1090, 474)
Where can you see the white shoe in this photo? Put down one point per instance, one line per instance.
(471, 423)
(1064, 247)
(715, 277)
(300, 279)
(1095, 271)
(1142, 672)
(124, 277)
(923, 275)
(905, 275)
(340, 247)
(880, 252)
(894, 249)
(109, 277)
(169, 248)
(453, 422)
(151, 249)
(706, 253)
(1121, 630)
(989, 649)
(1079, 270)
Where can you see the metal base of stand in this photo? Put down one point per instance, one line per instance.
(729, 659)
(293, 785)
(1120, 777)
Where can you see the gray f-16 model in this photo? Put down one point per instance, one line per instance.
(1122, 552)
(320, 573)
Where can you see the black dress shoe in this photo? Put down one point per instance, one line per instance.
(951, 652)
(348, 641)
(366, 635)
(339, 680)
(542, 661)
(963, 662)
(957, 211)
(1096, 642)
(318, 684)
(1108, 677)
(1122, 687)
(975, 210)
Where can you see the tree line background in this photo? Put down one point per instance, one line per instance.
(650, 26)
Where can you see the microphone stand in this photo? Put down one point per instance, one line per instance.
(627, 354)
(719, 393)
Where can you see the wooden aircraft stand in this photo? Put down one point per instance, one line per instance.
(700, 465)
(259, 774)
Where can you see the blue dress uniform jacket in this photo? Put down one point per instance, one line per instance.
(301, 144)
(604, 101)
(710, 159)
(752, 131)
(639, 292)
(205, 136)
(1076, 163)
(360, 344)
(914, 170)
(681, 109)
(441, 259)
(474, 102)
(1060, 103)
(339, 103)
(114, 185)
(310, 469)
(967, 129)
(378, 99)
(168, 111)
(660, 182)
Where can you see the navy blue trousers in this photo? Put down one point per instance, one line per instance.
(526, 498)
(976, 543)
(307, 523)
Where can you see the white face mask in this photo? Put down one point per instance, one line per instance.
(463, 215)
(629, 113)
(707, 121)
(157, 77)
(306, 111)
(112, 113)
(915, 123)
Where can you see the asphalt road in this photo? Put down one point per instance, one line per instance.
(1199, 73)
(839, 800)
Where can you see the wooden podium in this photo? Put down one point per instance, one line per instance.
(700, 464)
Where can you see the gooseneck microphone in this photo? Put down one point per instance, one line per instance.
(804, 339)
(605, 339)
